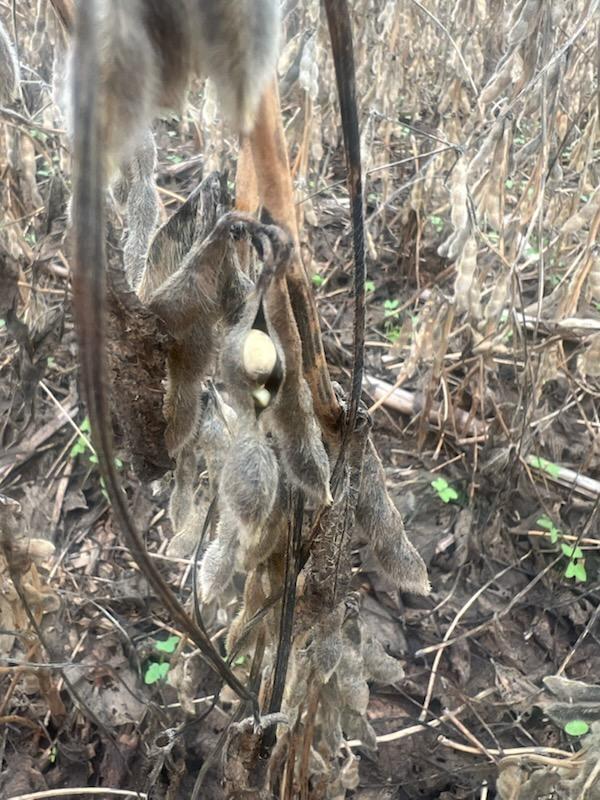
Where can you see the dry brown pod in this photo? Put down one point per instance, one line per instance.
(9, 68)
(290, 416)
(383, 527)
(249, 482)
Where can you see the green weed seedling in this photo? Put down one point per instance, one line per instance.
(167, 646)
(576, 565)
(547, 466)
(445, 492)
(391, 310)
(437, 222)
(158, 670)
(547, 524)
(82, 447)
(317, 280)
(577, 727)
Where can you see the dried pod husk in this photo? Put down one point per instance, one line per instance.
(239, 639)
(383, 528)
(349, 773)
(588, 363)
(185, 676)
(183, 544)
(563, 713)
(249, 482)
(218, 562)
(192, 296)
(379, 665)
(465, 274)
(327, 644)
(185, 477)
(499, 81)
(458, 212)
(486, 149)
(330, 718)
(259, 547)
(574, 700)
(584, 215)
(136, 189)
(291, 417)
(526, 22)
(355, 726)
(572, 691)
(9, 68)
(354, 690)
(249, 358)
(39, 550)
(217, 428)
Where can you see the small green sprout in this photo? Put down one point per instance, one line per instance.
(369, 286)
(81, 446)
(576, 565)
(571, 552)
(437, 222)
(577, 727)
(390, 308)
(547, 466)
(168, 645)
(576, 569)
(546, 523)
(156, 672)
(317, 280)
(444, 491)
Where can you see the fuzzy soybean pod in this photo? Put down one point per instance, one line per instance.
(465, 275)
(9, 68)
(382, 525)
(594, 275)
(249, 482)
(291, 416)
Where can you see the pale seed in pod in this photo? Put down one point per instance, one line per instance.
(262, 397)
(259, 356)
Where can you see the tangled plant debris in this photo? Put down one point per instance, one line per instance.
(479, 478)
